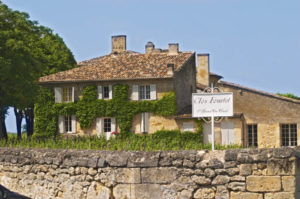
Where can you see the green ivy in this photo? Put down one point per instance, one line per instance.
(89, 108)
(45, 114)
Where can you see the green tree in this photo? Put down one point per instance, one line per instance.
(289, 95)
(27, 51)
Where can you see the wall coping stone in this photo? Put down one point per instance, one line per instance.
(140, 159)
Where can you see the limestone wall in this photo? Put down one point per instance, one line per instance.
(234, 174)
(267, 112)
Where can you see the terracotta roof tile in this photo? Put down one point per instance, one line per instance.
(126, 65)
(230, 84)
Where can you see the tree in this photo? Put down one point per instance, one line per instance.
(27, 51)
(289, 95)
(56, 57)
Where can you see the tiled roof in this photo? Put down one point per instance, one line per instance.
(233, 85)
(125, 65)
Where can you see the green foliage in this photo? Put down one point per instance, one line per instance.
(161, 140)
(289, 95)
(45, 114)
(27, 51)
(167, 105)
(89, 108)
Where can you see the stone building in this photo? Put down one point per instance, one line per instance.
(260, 119)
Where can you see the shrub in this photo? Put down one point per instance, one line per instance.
(161, 140)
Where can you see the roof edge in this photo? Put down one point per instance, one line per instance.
(230, 84)
(103, 80)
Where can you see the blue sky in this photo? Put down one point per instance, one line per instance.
(255, 43)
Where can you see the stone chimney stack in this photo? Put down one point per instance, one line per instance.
(202, 69)
(118, 43)
(173, 49)
(149, 47)
(170, 69)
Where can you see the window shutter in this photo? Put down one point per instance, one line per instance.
(113, 124)
(135, 92)
(146, 122)
(73, 124)
(99, 126)
(188, 126)
(207, 133)
(110, 92)
(142, 122)
(99, 88)
(61, 120)
(58, 95)
(153, 92)
(73, 94)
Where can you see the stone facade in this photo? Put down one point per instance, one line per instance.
(266, 111)
(231, 174)
(173, 70)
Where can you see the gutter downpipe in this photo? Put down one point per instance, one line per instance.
(243, 129)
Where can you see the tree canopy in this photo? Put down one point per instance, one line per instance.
(289, 95)
(27, 51)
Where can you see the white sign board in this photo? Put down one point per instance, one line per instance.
(212, 105)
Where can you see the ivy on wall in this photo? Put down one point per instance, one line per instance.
(89, 108)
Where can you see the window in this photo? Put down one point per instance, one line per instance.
(289, 134)
(67, 94)
(105, 92)
(107, 125)
(188, 126)
(144, 122)
(227, 133)
(68, 124)
(144, 92)
(252, 135)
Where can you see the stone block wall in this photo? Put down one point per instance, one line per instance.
(87, 174)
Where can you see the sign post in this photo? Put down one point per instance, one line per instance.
(210, 104)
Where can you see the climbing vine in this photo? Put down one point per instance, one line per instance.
(89, 108)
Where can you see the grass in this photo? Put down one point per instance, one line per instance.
(162, 140)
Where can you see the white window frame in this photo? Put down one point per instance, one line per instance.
(70, 94)
(144, 92)
(289, 129)
(104, 92)
(100, 124)
(101, 92)
(67, 124)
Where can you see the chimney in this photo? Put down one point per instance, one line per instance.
(202, 69)
(173, 49)
(149, 47)
(170, 69)
(118, 43)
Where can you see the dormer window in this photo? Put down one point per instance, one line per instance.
(144, 92)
